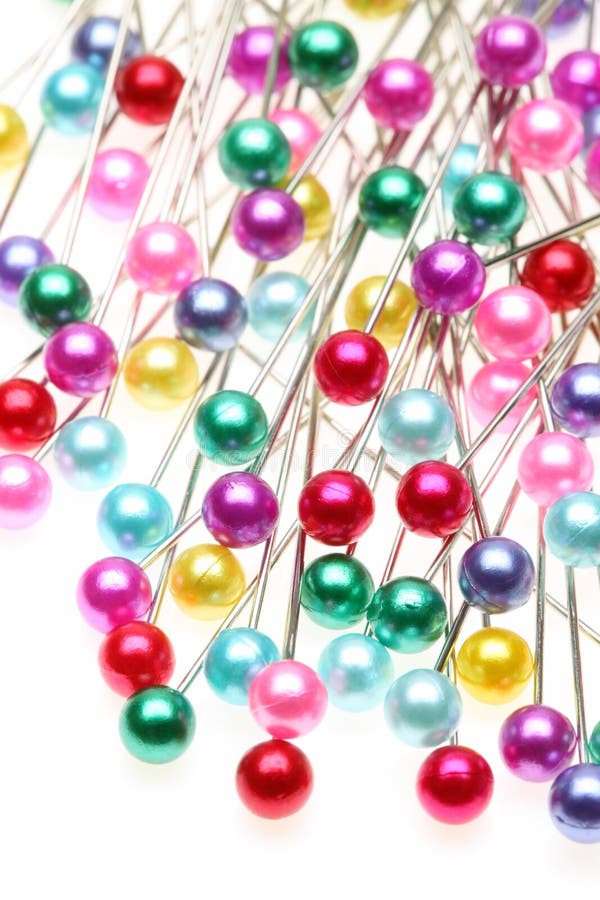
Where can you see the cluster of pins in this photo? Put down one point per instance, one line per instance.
(439, 365)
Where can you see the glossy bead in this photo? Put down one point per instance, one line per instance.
(422, 708)
(19, 256)
(407, 614)
(351, 367)
(544, 135)
(554, 464)
(148, 88)
(513, 323)
(54, 295)
(210, 314)
(249, 57)
(357, 671)
(494, 665)
(562, 274)
(206, 581)
(462, 165)
(240, 510)
(27, 414)
(323, 55)
(268, 224)
(575, 400)
(157, 724)
(80, 359)
(112, 592)
(14, 144)
(315, 203)
(230, 428)
(389, 199)
(592, 168)
(416, 425)
(591, 125)
(71, 97)
(25, 491)
(336, 590)
(377, 9)
(576, 80)
(395, 316)
(117, 182)
(133, 519)
(234, 660)
(455, 785)
(161, 257)
(273, 300)
(90, 453)
(254, 153)
(398, 93)
(274, 779)
(301, 131)
(572, 529)
(94, 40)
(489, 208)
(336, 507)
(448, 277)
(537, 742)
(575, 803)
(496, 575)
(493, 386)
(287, 699)
(510, 51)
(161, 373)
(135, 656)
(434, 499)
(594, 744)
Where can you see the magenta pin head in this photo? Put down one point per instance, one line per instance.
(510, 51)
(553, 464)
(287, 699)
(240, 510)
(493, 386)
(161, 257)
(513, 323)
(398, 93)
(301, 131)
(80, 359)
(544, 135)
(448, 277)
(117, 182)
(113, 591)
(249, 59)
(537, 742)
(25, 491)
(576, 80)
(268, 224)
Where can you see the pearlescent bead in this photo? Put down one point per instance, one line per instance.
(301, 131)
(273, 300)
(572, 529)
(71, 97)
(336, 590)
(462, 165)
(54, 295)
(210, 314)
(94, 41)
(249, 57)
(592, 168)
(254, 153)
(513, 323)
(448, 277)
(19, 256)
(25, 491)
(389, 200)
(395, 316)
(544, 135)
(594, 744)
(554, 464)
(492, 386)
(231, 428)
(235, 659)
(575, 803)
(357, 671)
(489, 208)
(112, 592)
(576, 80)
(315, 203)
(323, 55)
(416, 425)
(161, 257)
(274, 779)
(287, 699)
(117, 182)
(494, 665)
(407, 614)
(240, 510)
(268, 224)
(14, 144)
(90, 453)
(157, 724)
(398, 93)
(496, 575)
(133, 519)
(80, 359)
(161, 373)
(510, 51)
(422, 708)
(206, 581)
(537, 742)
(455, 785)
(575, 400)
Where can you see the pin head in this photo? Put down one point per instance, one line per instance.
(206, 581)
(14, 144)
(594, 744)
(230, 428)
(562, 273)
(422, 708)
(135, 656)
(54, 295)
(351, 367)
(19, 256)
(448, 277)
(407, 614)
(398, 93)
(576, 400)
(395, 316)
(357, 671)
(94, 40)
(455, 785)
(254, 153)
(323, 55)
(112, 592)
(336, 507)
(71, 97)
(25, 491)
(147, 89)
(161, 257)
(576, 80)
(27, 414)
(90, 453)
(494, 665)
(434, 499)
(234, 660)
(133, 519)
(489, 208)
(268, 224)
(513, 323)
(315, 204)
(492, 387)
(80, 359)
(161, 373)
(249, 57)
(336, 590)
(377, 9)
(274, 779)
(287, 699)
(554, 464)
(273, 300)
(461, 166)
(544, 135)
(210, 314)
(510, 51)
(496, 575)
(416, 425)
(240, 510)
(157, 724)
(301, 131)
(572, 529)
(389, 200)
(575, 803)
(117, 182)
(537, 742)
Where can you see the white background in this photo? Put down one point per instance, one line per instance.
(82, 819)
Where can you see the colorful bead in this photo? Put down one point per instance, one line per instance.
(433, 499)
(407, 614)
(161, 373)
(14, 144)
(389, 200)
(576, 80)
(537, 742)
(422, 708)
(274, 779)
(395, 316)
(230, 428)
(575, 400)
(494, 665)
(273, 300)
(562, 274)
(117, 182)
(234, 660)
(268, 224)
(19, 256)
(94, 40)
(161, 257)
(455, 785)
(301, 131)
(240, 510)
(27, 414)
(112, 592)
(71, 97)
(54, 295)
(336, 590)
(552, 465)
(510, 51)
(416, 425)
(489, 208)
(351, 367)
(398, 93)
(544, 135)
(323, 55)
(135, 656)
(157, 724)
(148, 88)
(249, 57)
(133, 519)
(357, 671)
(575, 803)
(315, 203)
(513, 323)
(80, 359)
(287, 699)
(336, 507)
(496, 575)
(90, 453)
(493, 386)
(572, 529)
(210, 314)
(206, 581)
(254, 153)
(25, 491)
(448, 277)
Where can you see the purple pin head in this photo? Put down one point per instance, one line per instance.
(510, 51)
(448, 277)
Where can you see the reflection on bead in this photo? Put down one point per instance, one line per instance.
(407, 614)
(422, 708)
(287, 699)
(161, 373)
(572, 529)
(395, 316)
(575, 803)
(90, 453)
(496, 575)
(230, 428)
(494, 665)
(14, 145)
(389, 199)
(210, 314)
(357, 671)
(157, 724)
(19, 256)
(206, 581)
(336, 590)
(235, 659)
(416, 425)
(315, 203)
(537, 742)
(71, 97)
(25, 491)
(112, 592)
(133, 519)
(455, 785)
(273, 299)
